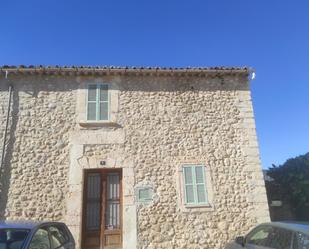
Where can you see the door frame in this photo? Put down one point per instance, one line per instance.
(103, 173)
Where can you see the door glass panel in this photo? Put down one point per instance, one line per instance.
(113, 202)
(93, 201)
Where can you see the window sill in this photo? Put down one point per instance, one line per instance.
(107, 123)
(197, 208)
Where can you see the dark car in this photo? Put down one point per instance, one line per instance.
(274, 235)
(35, 235)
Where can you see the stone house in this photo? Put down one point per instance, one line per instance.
(132, 157)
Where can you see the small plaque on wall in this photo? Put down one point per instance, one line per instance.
(144, 194)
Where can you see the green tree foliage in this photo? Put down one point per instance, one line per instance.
(293, 179)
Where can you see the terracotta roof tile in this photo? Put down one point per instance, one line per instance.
(40, 69)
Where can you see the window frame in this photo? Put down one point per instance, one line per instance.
(196, 203)
(98, 102)
(116, 199)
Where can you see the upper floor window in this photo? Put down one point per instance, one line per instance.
(98, 102)
(194, 179)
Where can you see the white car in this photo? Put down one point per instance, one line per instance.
(274, 235)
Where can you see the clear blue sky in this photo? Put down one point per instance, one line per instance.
(271, 36)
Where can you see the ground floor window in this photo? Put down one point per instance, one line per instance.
(194, 185)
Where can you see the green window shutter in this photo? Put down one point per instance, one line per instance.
(194, 185)
(103, 102)
(98, 102)
(189, 185)
(200, 184)
(92, 102)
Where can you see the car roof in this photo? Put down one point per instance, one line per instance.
(292, 225)
(23, 224)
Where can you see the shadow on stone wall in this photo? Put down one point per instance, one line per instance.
(5, 174)
(34, 84)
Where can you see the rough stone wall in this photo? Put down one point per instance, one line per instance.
(166, 122)
(37, 153)
(212, 123)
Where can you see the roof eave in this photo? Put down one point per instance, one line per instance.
(124, 71)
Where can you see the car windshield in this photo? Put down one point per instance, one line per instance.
(12, 238)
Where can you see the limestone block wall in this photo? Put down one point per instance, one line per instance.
(163, 123)
(35, 179)
(168, 124)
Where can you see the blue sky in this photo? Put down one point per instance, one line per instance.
(270, 36)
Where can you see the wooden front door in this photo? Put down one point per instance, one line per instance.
(102, 209)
